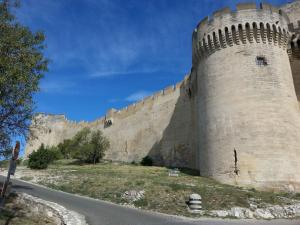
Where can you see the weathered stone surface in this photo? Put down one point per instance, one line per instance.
(235, 117)
(218, 213)
(277, 211)
(238, 212)
(248, 214)
(263, 214)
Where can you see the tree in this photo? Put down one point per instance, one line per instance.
(22, 65)
(99, 145)
(39, 159)
(88, 146)
(65, 148)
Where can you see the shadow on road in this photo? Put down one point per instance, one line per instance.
(21, 187)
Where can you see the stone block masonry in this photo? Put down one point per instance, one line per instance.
(234, 118)
(158, 126)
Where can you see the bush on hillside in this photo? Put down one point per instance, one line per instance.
(41, 158)
(87, 146)
(147, 161)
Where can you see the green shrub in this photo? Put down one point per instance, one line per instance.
(134, 163)
(65, 148)
(147, 161)
(41, 158)
(56, 154)
(88, 146)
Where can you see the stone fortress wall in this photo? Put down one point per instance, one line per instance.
(158, 126)
(234, 118)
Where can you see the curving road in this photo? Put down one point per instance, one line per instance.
(102, 213)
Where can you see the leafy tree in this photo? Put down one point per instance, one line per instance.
(22, 65)
(88, 146)
(79, 144)
(40, 159)
(99, 145)
(65, 148)
(56, 154)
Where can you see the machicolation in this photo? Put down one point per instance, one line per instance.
(227, 28)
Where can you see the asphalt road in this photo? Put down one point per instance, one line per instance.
(102, 213)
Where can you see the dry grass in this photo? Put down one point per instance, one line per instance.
(108, 181)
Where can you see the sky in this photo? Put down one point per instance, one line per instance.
(111, 53)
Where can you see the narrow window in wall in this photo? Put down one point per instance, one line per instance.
(261, 61)
(190, 92)
(236, 171)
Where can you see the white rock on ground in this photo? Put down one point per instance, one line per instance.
(218, 213)
(39, 205)
(263, 214)
(238, 212)
(133, 195)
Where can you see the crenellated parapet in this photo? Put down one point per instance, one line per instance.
(249, 24)
(148, 101)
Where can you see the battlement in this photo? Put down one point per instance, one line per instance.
(241, 8)
(226, 28)
(147, 101)
(114, 113)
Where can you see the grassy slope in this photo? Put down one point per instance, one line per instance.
(162, 193)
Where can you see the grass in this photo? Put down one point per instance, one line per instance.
(16, 214)
(26, 178)
(108, 181)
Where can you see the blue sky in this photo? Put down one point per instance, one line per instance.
(109, 53)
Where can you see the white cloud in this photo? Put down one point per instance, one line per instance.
(124, 72)
(137, 96)
(55, 87)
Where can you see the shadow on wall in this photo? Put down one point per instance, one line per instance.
(178, 146)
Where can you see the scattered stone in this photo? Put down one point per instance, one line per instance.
(263, 214)
(174, 172)
(290, 211)
(238, 212)
(253, 206)
(133, 196)
(277, 211)
(248, 214)
(218, 213)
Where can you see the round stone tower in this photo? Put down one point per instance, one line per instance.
(248, 112)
